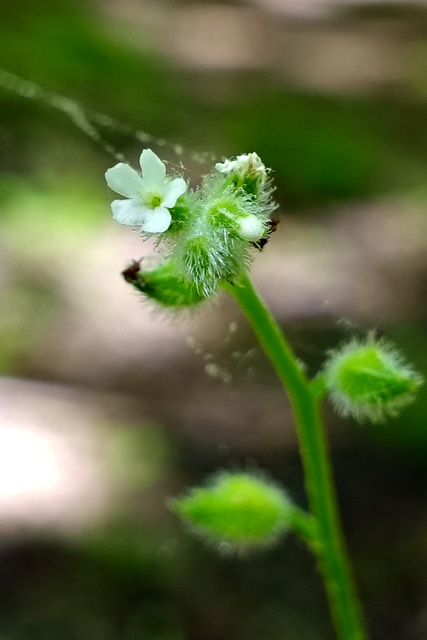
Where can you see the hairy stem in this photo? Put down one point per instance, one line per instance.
(330, 547)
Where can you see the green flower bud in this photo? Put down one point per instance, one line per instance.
(369, 380)
(206, 259)
(238, 214)
(239, 509)
(162, 285)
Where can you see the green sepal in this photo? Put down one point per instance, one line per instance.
(162, 285)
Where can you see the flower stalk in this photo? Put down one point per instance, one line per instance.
(330, 548)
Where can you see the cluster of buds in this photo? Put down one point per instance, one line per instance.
(207, 234)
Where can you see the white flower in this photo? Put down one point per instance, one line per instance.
(250, 228)
(242, 165)
(148, 198)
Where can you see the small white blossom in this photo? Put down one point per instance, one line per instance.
(251, 228)
(245, 164)
(148, 198)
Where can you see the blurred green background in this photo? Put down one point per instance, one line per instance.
(106, 408)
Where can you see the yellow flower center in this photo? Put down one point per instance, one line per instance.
(153, 200)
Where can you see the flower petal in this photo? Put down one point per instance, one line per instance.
(129, 212)
(251, 228)
(157, 220)
(225, 167)
(172, 190)
(153, 170)
(124, 180)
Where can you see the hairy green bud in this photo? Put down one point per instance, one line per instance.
(206, 260)
(240, 216)
(162, 285)
(239, 509)
(369, 379)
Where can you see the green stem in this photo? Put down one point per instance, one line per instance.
(304, 397)
(304, 525)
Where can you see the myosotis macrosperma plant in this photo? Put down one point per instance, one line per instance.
(206, 240)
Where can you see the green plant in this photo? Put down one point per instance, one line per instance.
(208, 239)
